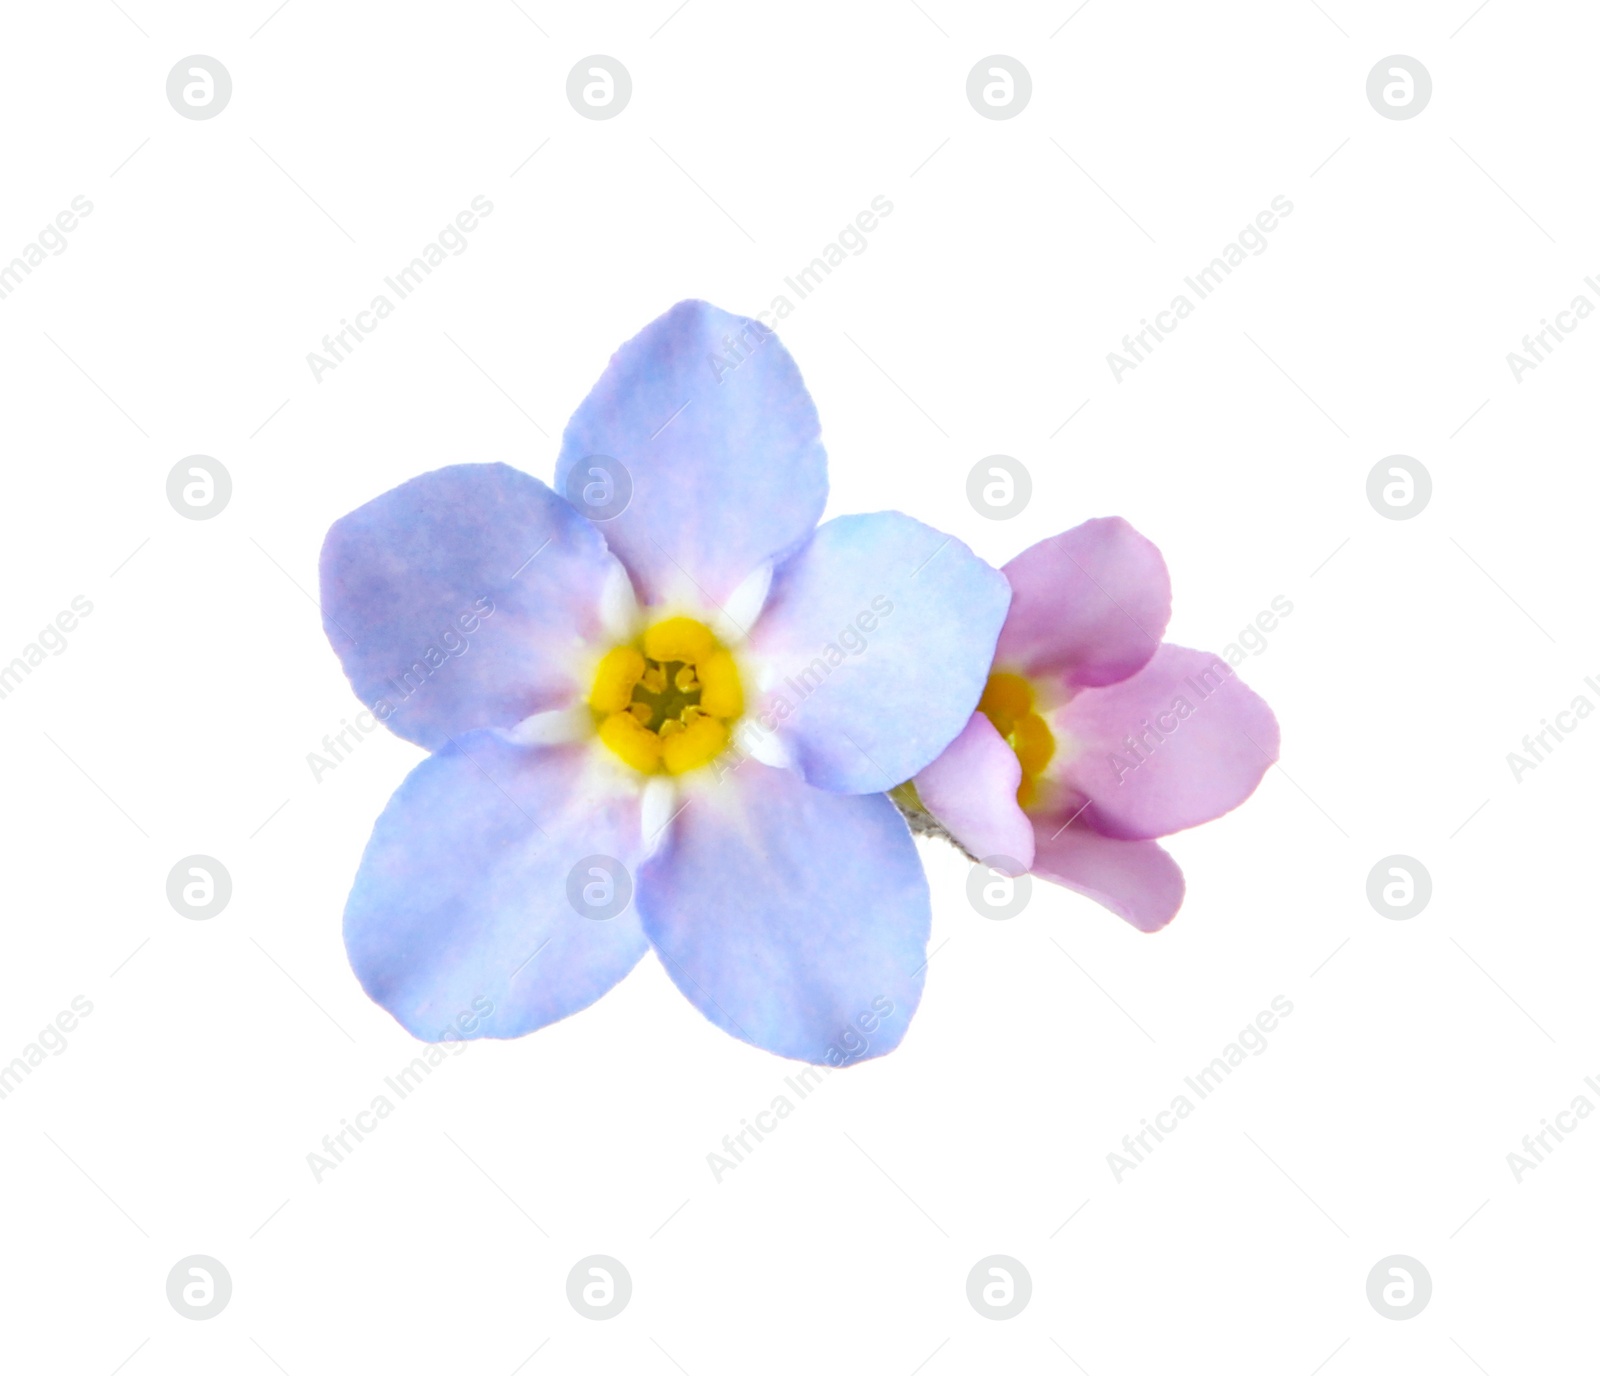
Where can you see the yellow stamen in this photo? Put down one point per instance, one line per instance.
(1035, 745)
(679, 638)
(631, 741)
(696, 744)
(720, 691)
(613, 682)
(1008, 701)
(1006, 697)
(667, 701)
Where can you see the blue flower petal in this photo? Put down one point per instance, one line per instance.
(461, 922)
(707, 415)
(457, 599)
(796, 920)
(877, 637)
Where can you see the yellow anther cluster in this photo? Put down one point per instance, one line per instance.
(1008, 702)
(667, 702)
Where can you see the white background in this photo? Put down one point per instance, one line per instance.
(1018, 253)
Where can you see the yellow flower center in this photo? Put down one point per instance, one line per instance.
(666, 702)
(1008, 702)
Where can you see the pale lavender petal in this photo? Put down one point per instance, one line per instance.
(877, 638)
(707, 414)
(796, 920)
(457, 600)
(461, 921)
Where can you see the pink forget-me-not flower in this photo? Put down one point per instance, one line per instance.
(1092, 737)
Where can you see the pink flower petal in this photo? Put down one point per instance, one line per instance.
(1179, 743)
(1136, 880)
(972, 790)
(1088, 605)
